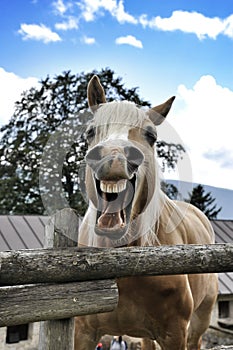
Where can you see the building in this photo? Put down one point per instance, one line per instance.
(21, 232)
(27, 232)
(223, 313)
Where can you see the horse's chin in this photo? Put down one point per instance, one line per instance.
(114, 233)
(115, 199)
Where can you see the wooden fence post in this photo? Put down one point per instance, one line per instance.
(62, 231)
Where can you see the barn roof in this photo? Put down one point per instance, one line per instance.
(224, 234)
(21, 232)
(27, 232)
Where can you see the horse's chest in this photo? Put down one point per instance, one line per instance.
(144, 306)
(147, 297)
(140, 288)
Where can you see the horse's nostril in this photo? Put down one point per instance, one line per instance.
(94, 155)
(134, 155)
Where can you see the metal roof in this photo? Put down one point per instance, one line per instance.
(223, 230)
(27, 232)
(22, 232)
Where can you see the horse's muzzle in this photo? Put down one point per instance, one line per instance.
(114, 162)
(115, 169)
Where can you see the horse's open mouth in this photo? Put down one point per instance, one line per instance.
(114, 207)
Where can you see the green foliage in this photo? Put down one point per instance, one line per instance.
(204, 200)
(43, 146)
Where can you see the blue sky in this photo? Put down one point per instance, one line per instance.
(165, 47)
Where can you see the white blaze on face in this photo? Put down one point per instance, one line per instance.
(116, 136)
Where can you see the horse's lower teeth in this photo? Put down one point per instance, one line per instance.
(113, 187)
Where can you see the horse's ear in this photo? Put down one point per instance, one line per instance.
(158, 114)
(95, 93)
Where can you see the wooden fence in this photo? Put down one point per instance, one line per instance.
(61, 281)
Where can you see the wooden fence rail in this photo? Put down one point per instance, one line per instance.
(62, 281)
(37, 302)
(59, 283)
(85, 264)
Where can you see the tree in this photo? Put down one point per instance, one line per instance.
(204, 200)
(170, 190)
(43, 146)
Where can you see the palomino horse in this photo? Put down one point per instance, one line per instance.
(128, 208)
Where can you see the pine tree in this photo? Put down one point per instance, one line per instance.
(170, 190)
(204, 200)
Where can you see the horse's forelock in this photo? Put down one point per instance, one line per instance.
(117, 117)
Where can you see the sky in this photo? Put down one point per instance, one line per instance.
(164, 47)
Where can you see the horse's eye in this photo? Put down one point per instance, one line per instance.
(151, 137)
(90, 133)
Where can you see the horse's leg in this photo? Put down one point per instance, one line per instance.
(148, 344)
(175, 335)
(201, 317)
(86, 337)
(84, 343)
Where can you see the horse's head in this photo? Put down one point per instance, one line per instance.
(120, 175)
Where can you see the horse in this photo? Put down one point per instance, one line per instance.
(128, 208)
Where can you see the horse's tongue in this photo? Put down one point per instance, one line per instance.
(110, 220)
(111, 214)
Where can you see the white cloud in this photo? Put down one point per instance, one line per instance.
(191, 22)
(60, 7)
(187, 22)
(92, 8)
(11, 87)
(70, 23)
(88, 40)
(129, 40)
(38, 32)
(229, 27)
(121, 15)
(204, 123)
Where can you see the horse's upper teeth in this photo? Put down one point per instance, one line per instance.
(109, 188)
(113, 187)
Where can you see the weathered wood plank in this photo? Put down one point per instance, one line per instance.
(80, 264)
(32, 303)
(62, 231)
(64, 331)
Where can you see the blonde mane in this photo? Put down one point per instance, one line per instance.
(114, 117)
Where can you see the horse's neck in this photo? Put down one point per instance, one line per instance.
(146, 226)
(162, 217)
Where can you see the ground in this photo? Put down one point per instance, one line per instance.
(211, 339)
